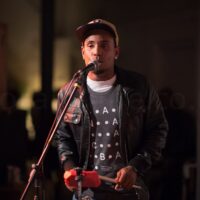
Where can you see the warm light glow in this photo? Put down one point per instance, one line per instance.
(61, 71)
(25, 101)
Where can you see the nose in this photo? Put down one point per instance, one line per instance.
(97, 51)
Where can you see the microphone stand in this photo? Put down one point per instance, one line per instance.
(77, 80)
(79, 178)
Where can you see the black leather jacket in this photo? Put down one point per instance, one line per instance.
(142, 124)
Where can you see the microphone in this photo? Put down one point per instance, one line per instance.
(93, 66)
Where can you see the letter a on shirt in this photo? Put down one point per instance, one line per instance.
(105, 110)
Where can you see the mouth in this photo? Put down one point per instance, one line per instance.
(99, 60)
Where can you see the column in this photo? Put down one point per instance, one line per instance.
(2, 63)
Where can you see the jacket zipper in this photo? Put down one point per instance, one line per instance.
(120, 125)
(89, 138)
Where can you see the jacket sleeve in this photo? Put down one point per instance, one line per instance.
(154, 133)
(65, 143)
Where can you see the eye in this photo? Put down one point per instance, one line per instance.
(104, 45)
(90, 45)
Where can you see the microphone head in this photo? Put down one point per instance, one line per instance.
(96, 65)
(92, 66)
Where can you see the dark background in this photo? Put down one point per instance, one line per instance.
(39, 53)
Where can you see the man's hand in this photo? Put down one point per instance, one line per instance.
(70, 188)
(126, 178)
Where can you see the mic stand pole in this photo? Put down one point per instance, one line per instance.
(77, 79)
(37, 186)
(78, 178)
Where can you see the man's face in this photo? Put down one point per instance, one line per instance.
(99, 45)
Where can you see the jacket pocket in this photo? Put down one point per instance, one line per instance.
(73, 117)
(73, 113)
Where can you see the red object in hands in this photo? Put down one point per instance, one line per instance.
(89, 178)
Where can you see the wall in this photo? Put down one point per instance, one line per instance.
(2, 63)
(23, 42)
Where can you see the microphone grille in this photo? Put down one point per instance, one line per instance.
(96, 65)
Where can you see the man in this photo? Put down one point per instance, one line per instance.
(115, 122)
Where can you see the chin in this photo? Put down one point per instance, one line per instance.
(100, 71)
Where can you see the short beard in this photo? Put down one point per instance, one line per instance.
(99, 71)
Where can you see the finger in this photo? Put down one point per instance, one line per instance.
(118, 176)
(128, 183)
(122, 176)
(70, 188)
(118, 187)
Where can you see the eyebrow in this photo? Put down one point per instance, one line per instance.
(102, 41)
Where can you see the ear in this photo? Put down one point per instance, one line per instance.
(83, 52)
(117, 50)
